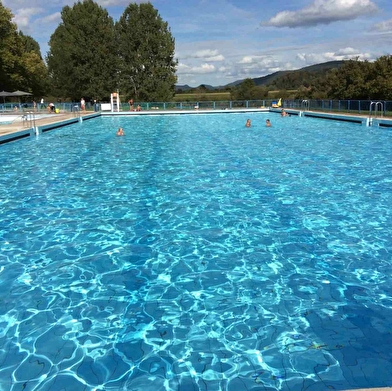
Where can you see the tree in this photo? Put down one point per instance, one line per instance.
(146, 54)
(10, 52)
(21, 64)
(380, 85)
(29, 44)
(245, 91)
(35, 74)
(350, 81)
(82, 56)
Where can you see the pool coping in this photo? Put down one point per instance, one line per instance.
(15, 132)
(372, 389)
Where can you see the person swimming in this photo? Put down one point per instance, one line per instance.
(120, 132)
(248, 123)
(268, 123)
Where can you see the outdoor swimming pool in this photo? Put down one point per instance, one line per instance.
(197, 254)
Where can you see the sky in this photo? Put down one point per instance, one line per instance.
(222, 41)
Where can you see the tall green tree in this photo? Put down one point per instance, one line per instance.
(35, 73)
(350, 81)
(29, 44)
(245, 91)
(380, 85)
(21, 64)
(82, 56)
(11, 69)
(146, 54)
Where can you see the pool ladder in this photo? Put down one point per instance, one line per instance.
(375, 108)
(76, 111)
(304, 107)
(29, 119)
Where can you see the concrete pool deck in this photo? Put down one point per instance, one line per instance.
(24, 126)
(20, 124)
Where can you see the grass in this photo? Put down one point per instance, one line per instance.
(195, 97)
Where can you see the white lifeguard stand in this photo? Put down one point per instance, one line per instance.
(115, 101)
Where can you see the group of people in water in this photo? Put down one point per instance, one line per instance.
(268, 124)
(249, 123)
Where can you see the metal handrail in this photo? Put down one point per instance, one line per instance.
(376, 105)
(305, 104)
(29, 119)
(76, 111)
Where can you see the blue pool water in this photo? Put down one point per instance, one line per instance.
(197, 254)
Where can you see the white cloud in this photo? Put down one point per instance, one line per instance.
(204, 68)
(259, 62)
(205, 53)
(347, 52)
(257, 66)
(323, 12)
(56, 17)
(208, 55)
(187, 70)
(247, 60)
(111, 3)
(220, 57)
(385, 26)
(339, 55)
(23, 16)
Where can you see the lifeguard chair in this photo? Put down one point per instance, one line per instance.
(115, 101)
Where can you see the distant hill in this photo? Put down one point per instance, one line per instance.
(314, 69)
(310, 75)
(183, 87)
(233, 84)
(265, 80)
(325, 66)
(273, 78)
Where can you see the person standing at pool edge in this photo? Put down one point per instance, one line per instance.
(131, 104)
(82, 104)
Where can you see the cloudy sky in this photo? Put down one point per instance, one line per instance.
(221, 41)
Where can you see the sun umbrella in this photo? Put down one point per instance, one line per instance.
(4, 94)
(20, 93)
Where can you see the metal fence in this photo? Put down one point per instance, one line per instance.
(28, 107)
(344, 106)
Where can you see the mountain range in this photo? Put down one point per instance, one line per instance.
(268, 79)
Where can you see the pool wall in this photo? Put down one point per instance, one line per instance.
(55, 125)
(366, 121)
(16, 135)
(31, 132)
